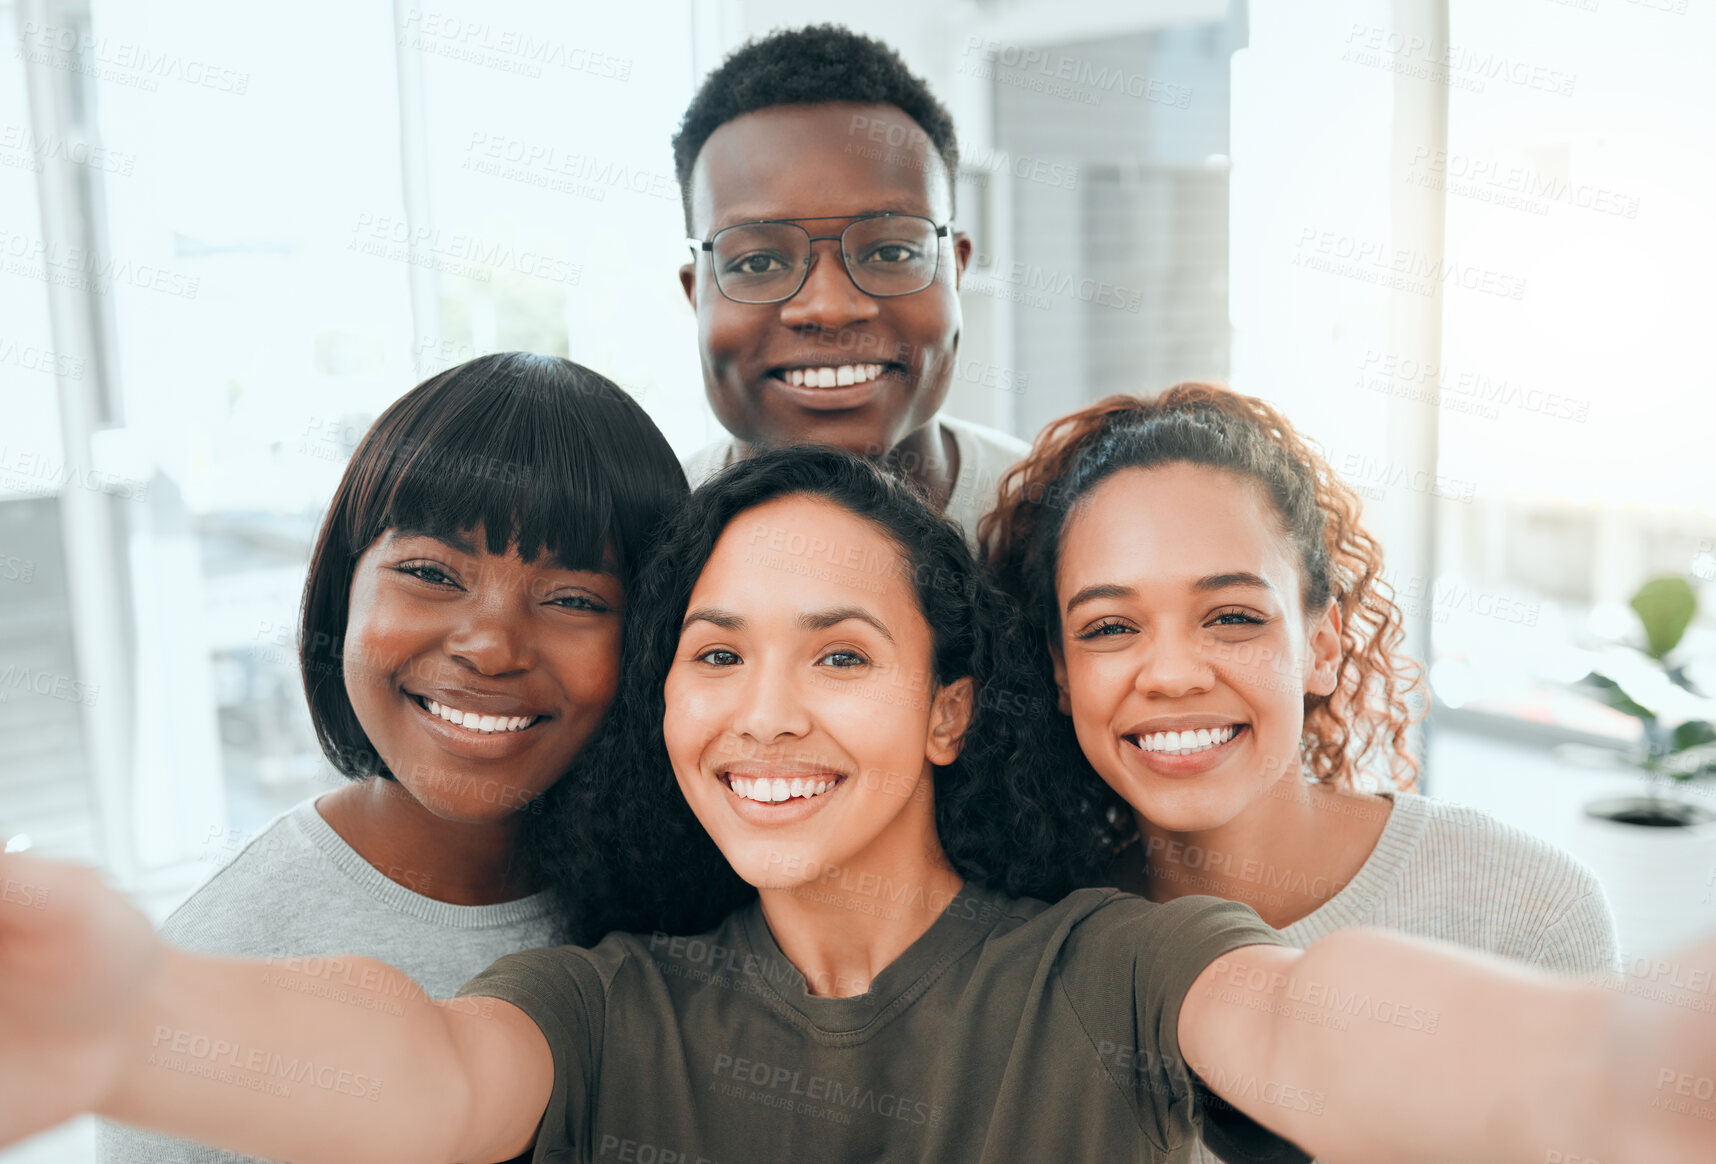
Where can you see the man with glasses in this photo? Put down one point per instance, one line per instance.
(818, 177)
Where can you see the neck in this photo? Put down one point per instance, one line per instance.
(848, 925)
(1285, 855)
(927, 455)
(930, 458)
(452, 861)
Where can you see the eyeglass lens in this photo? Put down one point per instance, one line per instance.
(764, 262)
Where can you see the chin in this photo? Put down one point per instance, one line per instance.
(1186, 810)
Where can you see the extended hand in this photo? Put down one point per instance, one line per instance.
(75, 959)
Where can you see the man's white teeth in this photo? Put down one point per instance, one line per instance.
(773, 790)
(838, 376)
(1186, 743)
(479, 723)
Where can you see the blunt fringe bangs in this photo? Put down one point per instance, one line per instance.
(544, 454)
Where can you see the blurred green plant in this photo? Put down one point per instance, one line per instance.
(1675, 745)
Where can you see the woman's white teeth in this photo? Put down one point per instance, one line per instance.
(1185, 743)
(838, 376)
(479, 723)
(773, 790)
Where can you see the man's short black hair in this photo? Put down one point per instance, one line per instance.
(808, 66)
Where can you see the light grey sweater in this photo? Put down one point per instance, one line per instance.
(297, 888)
(1455, 874)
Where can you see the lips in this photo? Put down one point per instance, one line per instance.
(780, 789)
(479, 712)
(1186, 751)
(814, 374)
(1186, 742)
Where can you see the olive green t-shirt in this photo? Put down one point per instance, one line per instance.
(1010, 1031)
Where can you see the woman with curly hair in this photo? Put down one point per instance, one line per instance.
(829, 764)
(1224, 642)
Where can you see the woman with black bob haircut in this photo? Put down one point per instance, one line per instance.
(1004, 813)
(878, 997)
(459, 643)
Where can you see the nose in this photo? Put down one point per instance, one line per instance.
(829, 299)
(491, 639)
(769, 706)
(1174, 666)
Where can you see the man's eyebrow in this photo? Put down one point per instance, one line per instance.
(818, 620)
(745, 214)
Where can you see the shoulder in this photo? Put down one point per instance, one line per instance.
(1539, 902)
(707, 461)
(988, 447)
(1177, 939)
(241, 907)
(1490, 854)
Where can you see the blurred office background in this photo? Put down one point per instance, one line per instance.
(1465, 244)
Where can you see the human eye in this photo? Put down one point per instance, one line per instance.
(1235, 616)
(579, 602)
(757, 263)
(852, 659)
(1106, 628)
(717, 657)
(429, 572)
(890, 253)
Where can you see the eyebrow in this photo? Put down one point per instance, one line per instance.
(461, 544)
(745, 215)
(1242, 579)
(815, 620)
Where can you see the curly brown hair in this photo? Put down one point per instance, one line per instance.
(1367, 717)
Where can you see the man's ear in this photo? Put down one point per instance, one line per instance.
(950, 716)
(688, 283)
(1325, 651)
(1060, 660)
(961, 255)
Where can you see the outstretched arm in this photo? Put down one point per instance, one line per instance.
(313, 1060)
(1372, 1046)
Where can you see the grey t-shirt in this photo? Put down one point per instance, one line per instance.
(985, 455)
(1010, 1031)
(298, 889)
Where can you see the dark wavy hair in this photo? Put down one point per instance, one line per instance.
(541, 452)
(629, 854)
(1367, 718)
(808, 66)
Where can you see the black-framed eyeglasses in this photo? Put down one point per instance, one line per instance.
(768, 261)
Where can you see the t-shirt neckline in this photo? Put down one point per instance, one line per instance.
(371, 880)
(967, 920)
